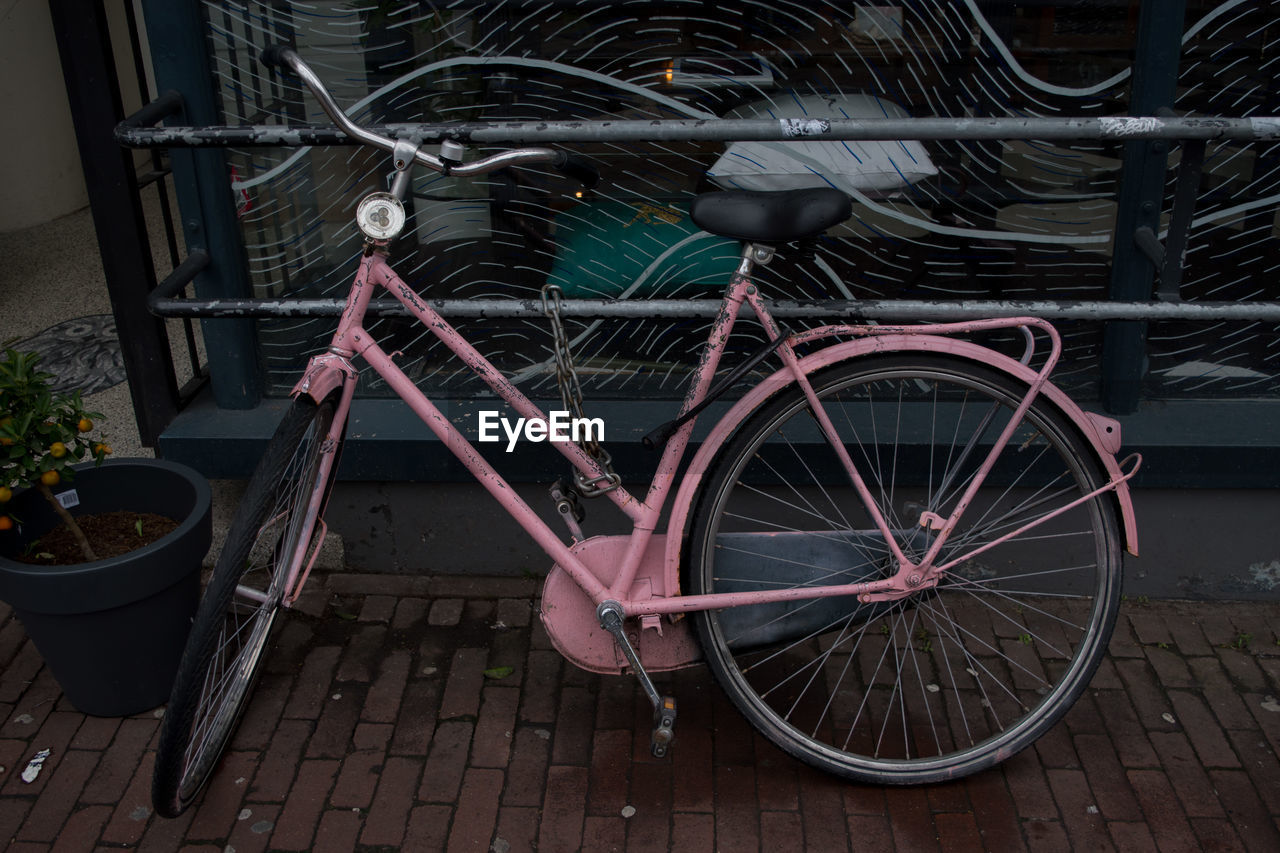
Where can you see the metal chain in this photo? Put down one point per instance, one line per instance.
(571, 398)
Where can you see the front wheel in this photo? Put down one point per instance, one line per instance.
(271, 533)
(949, 680)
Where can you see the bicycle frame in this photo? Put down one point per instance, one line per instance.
(335, 370)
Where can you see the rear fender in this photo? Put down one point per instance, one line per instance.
(1101, 433)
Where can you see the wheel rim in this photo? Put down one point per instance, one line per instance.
(250, 608)
(939, 683)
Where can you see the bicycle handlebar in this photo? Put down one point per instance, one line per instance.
(280, 57)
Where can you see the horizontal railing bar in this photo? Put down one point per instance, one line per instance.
(877, 309)
(721, 130)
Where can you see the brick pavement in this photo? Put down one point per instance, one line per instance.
(376, 727)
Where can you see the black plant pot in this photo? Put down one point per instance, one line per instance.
(112, 631)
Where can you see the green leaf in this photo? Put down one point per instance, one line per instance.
(499, 672)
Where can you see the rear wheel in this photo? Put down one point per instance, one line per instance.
(947, 681)
(271, 534)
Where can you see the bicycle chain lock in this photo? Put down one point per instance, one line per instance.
(571, 399)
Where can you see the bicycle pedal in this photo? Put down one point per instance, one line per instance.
(664, 727)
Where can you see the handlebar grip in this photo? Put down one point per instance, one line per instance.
(273, 56)
(578, 168)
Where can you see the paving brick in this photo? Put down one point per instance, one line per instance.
(651, 797)
(382, 703)
(279, 763)
(696, 831)
(313, 683)
(362, 653)
(1246, 812)
(338, 831)
(1029, 787)
(1223, 698)
(1149, 699)
(129, 819)
(1048, 836)
(538, 701)
(1170, 668)
(781, 830)
(54, 735)
(1149, 627)
(736, 814)
(994, 811)
(304, 805)
(958, 833)
(416, 722)
(610, 768)
(477, 810)
(1162, 810)
(81, 829)
(1186, 775)
(1128, 734)
(446, 611)
(18, 675)
(446, 762)
(389, 814)
(1106, 776)
(822, 811)
(1187, 635)
(1081, 816)
(220, 805)
(337, 723)
(466, 679)
(377, 608)
(604, 834)
(913, 828)
(1202, 730)
(1216, 835)
(571, 742)
(491, 745)
(479, 586)
(517, 828)
(252, 834)
(59, 798)
(1260, 763)
(409, 613)
(428, 828)
(562, 809)
(95, 733)
(1132, 837)
(263, 712)
(119, 761)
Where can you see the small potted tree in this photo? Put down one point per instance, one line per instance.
(100, 559)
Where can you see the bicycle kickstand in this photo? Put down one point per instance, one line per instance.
(664, 707)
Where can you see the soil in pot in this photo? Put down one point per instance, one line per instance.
(110, 534)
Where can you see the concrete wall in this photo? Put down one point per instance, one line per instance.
(40, 174)
(1193, 543)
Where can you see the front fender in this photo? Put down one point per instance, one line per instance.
(324, 374)
(1102, 433)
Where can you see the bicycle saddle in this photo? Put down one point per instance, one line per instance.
(770, 217)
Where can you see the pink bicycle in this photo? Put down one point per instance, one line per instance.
(918, 598)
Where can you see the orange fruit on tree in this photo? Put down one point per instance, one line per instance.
(57, 450)
(85, 425)
(6, 494)
(6, 523)
(51, 478)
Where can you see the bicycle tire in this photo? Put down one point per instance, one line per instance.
(230, 631)
(942, 683)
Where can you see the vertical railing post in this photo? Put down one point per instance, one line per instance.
(93, 91)
(1141, 197)
(202, 183)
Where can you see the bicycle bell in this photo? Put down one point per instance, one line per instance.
(380, 216)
